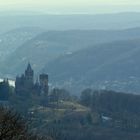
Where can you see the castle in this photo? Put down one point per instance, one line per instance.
(25, 83)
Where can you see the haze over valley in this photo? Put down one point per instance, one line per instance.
(80, 48)
(69, 70)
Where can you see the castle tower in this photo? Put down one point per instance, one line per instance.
(44, 84)
(29, 76)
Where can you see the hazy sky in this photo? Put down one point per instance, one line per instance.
(72, 6)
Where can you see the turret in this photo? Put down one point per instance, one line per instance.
(29, 76)
(29, 72)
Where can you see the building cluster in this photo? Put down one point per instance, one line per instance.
(25, 84)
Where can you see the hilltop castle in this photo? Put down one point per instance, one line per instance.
(25, 83)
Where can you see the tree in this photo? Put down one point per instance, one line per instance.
(86, 97)
(13, 127)
(5, 90)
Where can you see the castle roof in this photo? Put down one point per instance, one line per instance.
(29, 67)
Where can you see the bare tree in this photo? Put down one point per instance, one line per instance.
(13, 127)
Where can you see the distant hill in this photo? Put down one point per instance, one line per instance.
(108, 66)
(48, 46)
(12, 39)
(11, 20)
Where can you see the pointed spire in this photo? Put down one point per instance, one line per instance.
(29, 66)
(29, 71)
